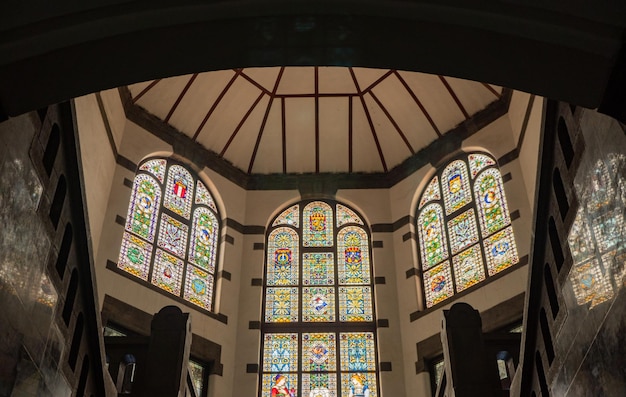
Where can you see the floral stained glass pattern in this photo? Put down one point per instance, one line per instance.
(492, 208)
(353, 261)
(462, 231)
(431, 236)
(456, 187)
(173, 235)
(478, 162)
(203, 239)
(319, 352)
(290, 216)
(438, 284)
(357, 351)
(355, 304)
(204, 197)
(358, 384)
(141, 219)
(168, 272)
(179, 191)
(318, 304)
(318, 268)
(281, 305)
(432, 192)
(468, 268)
(135, 256)
(199, 287)
(156, 167)
(317, 225)
(345, 215)
(280, 352)
(319, 384)
(282, 257)
(501, 251)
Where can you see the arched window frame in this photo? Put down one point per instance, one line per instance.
(150, 240)
(446, 265)
(292, 219)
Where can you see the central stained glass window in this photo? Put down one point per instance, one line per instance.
(464, 227)
(319, 330)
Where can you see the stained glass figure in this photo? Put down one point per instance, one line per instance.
(173, 235)
(319, 352)
(345, 215)
(355, 304)
(179, 191)
(167, 272)
(478, 162)
(353, 260)
(501, 251)
(319, 384)
(281, 304)
(358, 384)
(357, 351)
(143, 208)
(589, 284)
(318, 268)
(290, 216)
(156, 167)
(462, 231)
(203, 239)
(318, 304)
(317, 225)
(203, 196)
(438, 284)
(492, 208)
(456, 186)
(282, 257)
(199, 287)
(432, 193)
(432, 238)
(135, 256)
(280, 352)
(468, 268)
(280, 385)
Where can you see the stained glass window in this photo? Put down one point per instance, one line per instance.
(473, 238)
(318, 285)
(172, 229)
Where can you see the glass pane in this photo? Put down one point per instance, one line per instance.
(462, 231)
(156, 167)
(318, 268)
(432, 193)
(319, 352)
(280, 385)
(167, 273)
(501, 251)
(353, 258)
(318, 304)
(135, 256)
(492, 208)
(179, 191)
(355, 304)
(280, 353)
(438, 284)
(173, 235)
(477, 162)
(456, 187)
(281, 305)
(358, 385)
(196, 373)
(318, 225)
(204, 235)
(282, 257)
(319, 385)
(143, 208)
(432, 238)
(204, 197)
(357, 351)
(199, 287)
(290, 216)
(345, 215)
(468, 268)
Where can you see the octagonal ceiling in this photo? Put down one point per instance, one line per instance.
(313, 119)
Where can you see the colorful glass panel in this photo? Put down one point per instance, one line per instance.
(319, 352)
(279, 385)
(318, 304)
(355, 304)
(290, 216)
(196, 373)
(468, 268)
(431, 193)
(282, 257)
(281, 305)
(432, 239)
(500, 251)
(280, 352)
(456, 186)
(203, 196)
(135, 256)
(167, 272)
(204, 239)
(143, 208)
(318, 268)
(199, 287)
(357, 351)
(478, 162)
(179, 191)
(317, 225)
(462, 231)
(358, 384)
(579, 239)
(492, 208)
(589, 283)
(345, 215)
(173, 235)
(319, 385)
(353, 265)
(156, 167)
(438, 284)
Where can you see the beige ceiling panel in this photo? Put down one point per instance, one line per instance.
(300, 137)
(333, 130)
(436, 99)
(266, 77)
(367, 77)
(160, 98)
(335, 80)
(473, 95)
(135, 89)
(269, 157)
(364, 152)
(297, 80)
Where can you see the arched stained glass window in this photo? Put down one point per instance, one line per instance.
(464, 227)
(319, 330)
(171, 234)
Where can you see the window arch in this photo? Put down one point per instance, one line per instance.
(464, 227)
(318, 328)
(171, 234)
